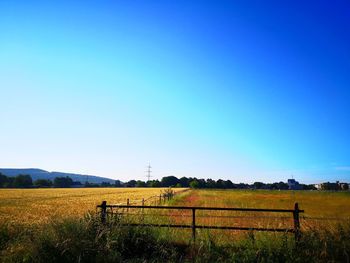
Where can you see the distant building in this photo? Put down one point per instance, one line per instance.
(344, 186)
(293, 185)
(318, 186)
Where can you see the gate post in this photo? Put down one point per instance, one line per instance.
(296, 222)
(103, 211)
(194, 224)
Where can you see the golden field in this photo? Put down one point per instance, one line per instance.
(315, 203)
(27, 206)
(321, 208)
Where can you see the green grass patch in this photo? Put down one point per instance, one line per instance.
(87, 240)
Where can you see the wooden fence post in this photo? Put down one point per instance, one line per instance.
(194, 224)
(103, 211)
(142, 210)
(296, 222)
(127, 203)
(160, 199)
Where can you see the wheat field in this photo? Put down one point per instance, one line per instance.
(30, 206)
(321, 208)
(315, 203)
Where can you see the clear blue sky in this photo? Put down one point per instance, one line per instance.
(241, 90)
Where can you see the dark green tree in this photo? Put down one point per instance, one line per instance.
(43, 183)
(194, 184)
(184, 181)
(22, 181)
(3, 180)
(201, 182)
(220, 184)
(168, 181)
(140, 183)
(131, 183)
(210, 183)
(229, 184)
(153, 183)
(62, 182)
(117, 183)
(259, 185)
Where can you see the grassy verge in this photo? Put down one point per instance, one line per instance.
(87, 240)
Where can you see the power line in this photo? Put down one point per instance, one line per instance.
(149, 172)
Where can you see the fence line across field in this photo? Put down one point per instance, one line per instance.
(155, 199)
(325, 218)
(212, 216)
(295, 212)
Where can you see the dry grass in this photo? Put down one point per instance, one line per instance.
(86, 240)
(28, 206)
(321, 208)
(315, 203)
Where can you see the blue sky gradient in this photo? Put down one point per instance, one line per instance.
(247, 91)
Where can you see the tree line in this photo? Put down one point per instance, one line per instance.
(172, 181)
(25, 181)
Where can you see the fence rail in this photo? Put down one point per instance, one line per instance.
(295, 213)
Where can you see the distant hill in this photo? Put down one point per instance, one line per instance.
(42, 174)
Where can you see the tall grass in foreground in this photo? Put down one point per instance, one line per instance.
(87, 240)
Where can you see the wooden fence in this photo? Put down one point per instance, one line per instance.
(294, 213)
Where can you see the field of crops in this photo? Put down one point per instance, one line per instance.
(315, 203)
(27, 206)
(40, 205)
(89, 240)
(321, 208)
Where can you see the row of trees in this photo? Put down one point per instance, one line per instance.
(208, 183)
(25, 181)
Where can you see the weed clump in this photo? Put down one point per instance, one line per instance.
(82, 240)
